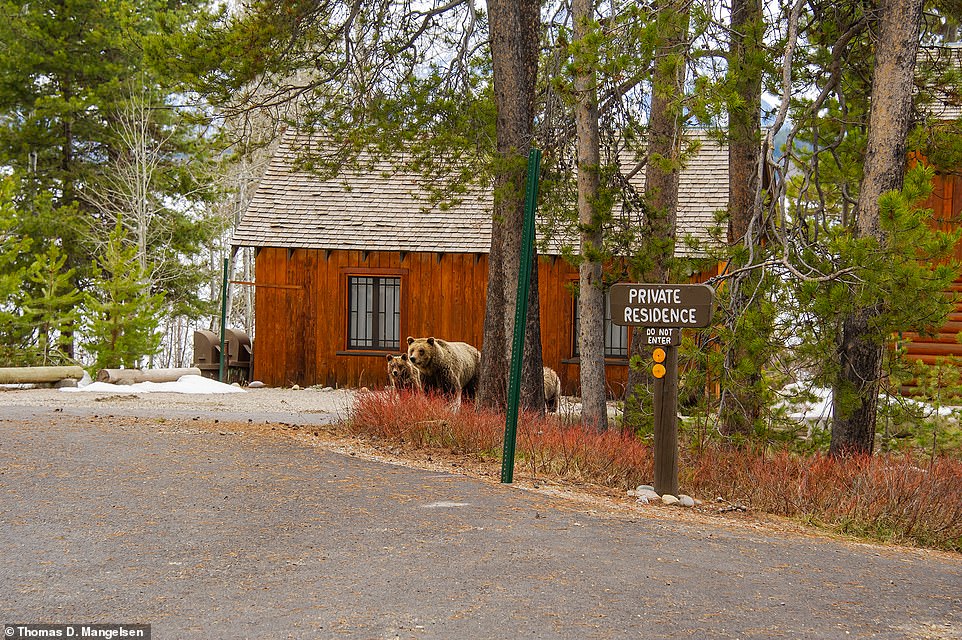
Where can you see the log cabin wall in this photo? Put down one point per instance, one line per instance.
(300, 333)
(301, 322)
(946, 205)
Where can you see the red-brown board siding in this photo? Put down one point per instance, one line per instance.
(556, 320)
(556, 282)
(301, 313)
(946, 205)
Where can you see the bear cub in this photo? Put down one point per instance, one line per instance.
(402, 373)
(552, 390)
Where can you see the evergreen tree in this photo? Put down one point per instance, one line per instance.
(856, 388)
(69, 73)
(451, 86)
(123, 313)
(653, 260)
(514, 38)
(746, 297)
(592, 213)
(14, 331)
(53, 310)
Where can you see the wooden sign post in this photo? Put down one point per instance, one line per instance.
(663, 310)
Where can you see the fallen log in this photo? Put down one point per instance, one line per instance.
(31, 375)
(131, 376)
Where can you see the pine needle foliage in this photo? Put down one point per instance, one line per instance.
(54, 309)
(124, 313)
(904, 276)
(14, 334)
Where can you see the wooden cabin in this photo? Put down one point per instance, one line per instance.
(347, 268)
(943, 105)
(946, 205)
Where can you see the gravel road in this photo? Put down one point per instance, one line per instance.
(165, 511)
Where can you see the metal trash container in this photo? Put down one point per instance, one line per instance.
(238, 348)
(238, 360)
(207, 353)
(239, 356)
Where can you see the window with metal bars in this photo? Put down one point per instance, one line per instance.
(616, 337)
(374, 313)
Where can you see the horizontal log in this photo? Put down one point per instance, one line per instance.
(30, 375)
(952, 326)
(925, 358)
(939, 338)
(131, 376)
(934, 348)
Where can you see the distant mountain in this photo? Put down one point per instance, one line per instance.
(770, 105)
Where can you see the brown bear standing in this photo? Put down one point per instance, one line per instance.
(450, 368)
(402, 373)
(552, 389)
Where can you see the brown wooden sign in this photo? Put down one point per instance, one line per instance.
(664, 310)
(661, 305)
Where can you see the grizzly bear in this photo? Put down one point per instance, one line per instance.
(552, 390)
(402, 374)
(450, 368)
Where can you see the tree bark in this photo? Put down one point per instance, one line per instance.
(514, 32)
(860, 350)
(742, 406)
(661, 183)
(591, 295)
(744, 119)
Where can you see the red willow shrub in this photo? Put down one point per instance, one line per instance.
(426, 421)
(885, 497)
(546, 447)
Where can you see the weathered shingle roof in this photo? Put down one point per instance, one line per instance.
(946, 103)
(702, 191)
(384, 209)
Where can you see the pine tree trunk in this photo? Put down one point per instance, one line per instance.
(514, 30)
(742, 406)
(861, 357)
(495, 363)
(860, 351)
(661, 186)
(744, 148)
(591, 295)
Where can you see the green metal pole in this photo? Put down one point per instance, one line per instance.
(223, 323)
(520, 316)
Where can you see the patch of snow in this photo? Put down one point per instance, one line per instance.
(817, 411)
(184, 384)
(928, 409)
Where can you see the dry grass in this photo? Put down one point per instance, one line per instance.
(883, 497)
